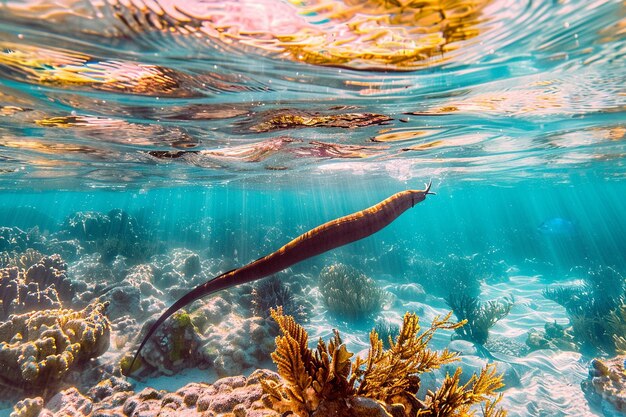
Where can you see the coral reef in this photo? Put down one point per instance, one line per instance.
(192, 266)
(18, 296)
(51, 270)
(348, 293)
(232, 397)
(606, 384)
(14, 239)
(238, 344)
(479, 316)
(111, 234)
(43, 286)
(325, 381)
(128, 290)
(22, 260)
(596, 309)
(179, 270)
(39, 347)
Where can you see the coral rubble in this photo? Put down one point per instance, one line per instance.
(554, 336)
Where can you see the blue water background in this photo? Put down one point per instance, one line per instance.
(462, 220)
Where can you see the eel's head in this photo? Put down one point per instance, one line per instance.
(418, 196)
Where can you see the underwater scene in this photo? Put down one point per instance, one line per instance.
(312, 208)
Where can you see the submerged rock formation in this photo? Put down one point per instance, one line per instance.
(606, 385)
(232, 396)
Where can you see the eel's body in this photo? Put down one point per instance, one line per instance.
(328, 236)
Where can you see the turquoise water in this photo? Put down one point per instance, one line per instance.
(221, 143)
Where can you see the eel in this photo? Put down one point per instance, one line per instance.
(323, 238)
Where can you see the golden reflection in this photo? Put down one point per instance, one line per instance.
(368, 34)
(64, 68)
(106, 129)
(47, 147)
(397, 136)
(529, 101)
(425, 146)
(319, 149)
(360, 34)
(291, 119)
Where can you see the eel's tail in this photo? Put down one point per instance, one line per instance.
(193, 295)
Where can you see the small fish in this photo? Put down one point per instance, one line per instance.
(557, 226)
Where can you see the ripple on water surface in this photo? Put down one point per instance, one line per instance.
(115, 93)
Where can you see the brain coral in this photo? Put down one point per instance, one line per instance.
(41, 346)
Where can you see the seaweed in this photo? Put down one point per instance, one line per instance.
(348, 293)
(317, 381)
(595, 308)
(480, 317)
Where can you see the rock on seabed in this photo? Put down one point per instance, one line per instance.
(236, 396)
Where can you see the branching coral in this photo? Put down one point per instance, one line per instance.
(16, 239)
(315, 381)
(596, 309)
(480, 317)
(42, 346)
(348, 293)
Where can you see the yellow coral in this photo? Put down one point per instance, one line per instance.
(321, 379)
(50, 342)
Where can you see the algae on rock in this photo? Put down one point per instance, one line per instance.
(325, 380)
